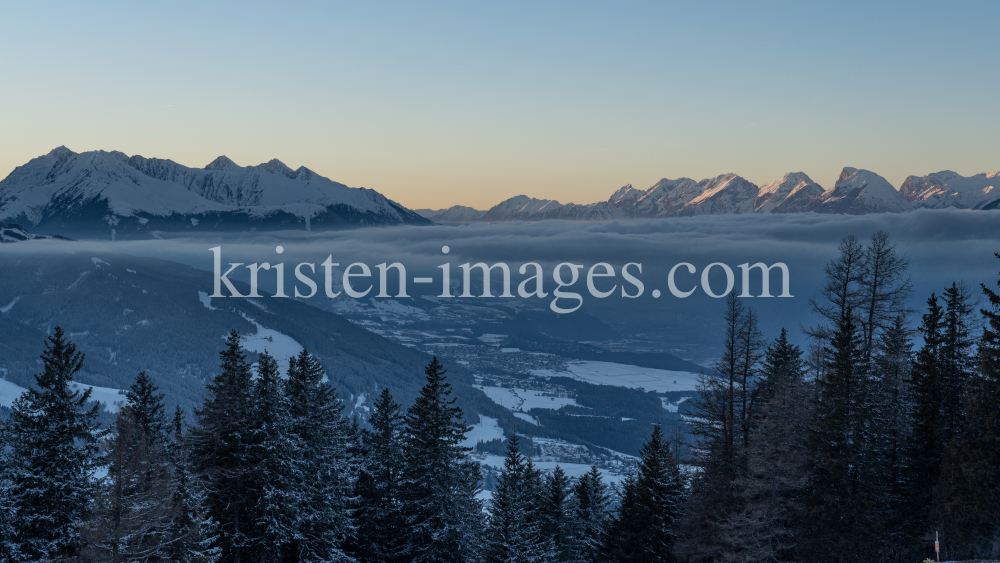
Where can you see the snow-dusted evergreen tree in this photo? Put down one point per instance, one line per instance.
(51, 442)
(324, 478)
(958, 357)
(220, 454)
(274, 465)
(968, 498)
(378, 490)
(189, 535)
(646, 527)
(560, 526)
(132, 509)
(592, 505)
(514, 532)
(440, 482)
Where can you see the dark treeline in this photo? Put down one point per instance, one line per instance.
(858, 449)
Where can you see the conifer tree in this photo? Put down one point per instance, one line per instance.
(836, 506)
(559, 524)
(927, 441)
(189, 536)
(51, 438)
(645, 529)
(592, 504)
(324, 479)
(220, 454)
(273, 465)
(443, 516)
(378, 516)
(133, 501)
(514, 532)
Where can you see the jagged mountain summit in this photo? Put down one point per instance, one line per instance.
(859, 192)
(856, 192)
(109, 193)
(949, 189)
(454, 214)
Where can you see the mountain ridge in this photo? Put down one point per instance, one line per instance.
(109, 192)
(856, 192)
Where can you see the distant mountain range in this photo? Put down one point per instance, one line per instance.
(856, 192)
(100, 193)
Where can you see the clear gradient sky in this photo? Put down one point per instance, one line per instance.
(437, 104)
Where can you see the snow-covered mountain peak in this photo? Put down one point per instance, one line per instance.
(860, 191)
(223, 163)
(950, 189)
(791, 193)
(61, 152)
(78, 193)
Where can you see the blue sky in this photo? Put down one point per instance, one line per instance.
(436, 104)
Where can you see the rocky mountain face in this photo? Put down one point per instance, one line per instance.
(948, 189)
(856, 192)
(111, 194)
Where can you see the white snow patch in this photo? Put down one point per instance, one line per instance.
(525, 399)
(672, 407)
(9, 392)
(486, 430)
(281, 346)
(206, 301)
(10, 305)
(130, 270)
(112, 399)
(622, 375)
(98, 262)
(492, 338)
(527, 418)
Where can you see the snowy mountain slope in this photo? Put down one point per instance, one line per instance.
(792, 193)
(859, 192)
(949, 189)
(98, 192)
(726, 194)
(454, 214)
(17, 233)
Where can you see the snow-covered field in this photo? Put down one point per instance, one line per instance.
(573, 470)
(112, 399)
(622, 375)
(524, 399)
(281, 346)
(487, 429)
(9, 392)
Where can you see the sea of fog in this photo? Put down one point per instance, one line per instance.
(942, 246)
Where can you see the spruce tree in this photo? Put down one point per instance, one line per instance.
(645, 530)
(514, 531)
(378, 489)
(927, 441)
(559, 524)
(592, 504)
(189, 535)
(834, 516)
(51, 440)
(220, 454)
(133, 501)
(324, 480)
(443, 516)
(274, 467)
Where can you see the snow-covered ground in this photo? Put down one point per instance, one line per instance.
(622, 375)
(524, 400)
(672, 407)
(281, 346)
(573, 470)
(487, 429)
(112, 399)
(9, 392)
